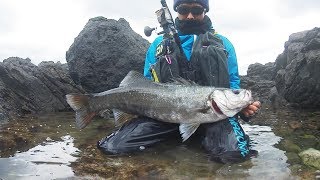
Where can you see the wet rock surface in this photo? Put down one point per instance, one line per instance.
(95, 163)
(22, 133)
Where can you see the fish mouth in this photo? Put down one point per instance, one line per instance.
(215, 107)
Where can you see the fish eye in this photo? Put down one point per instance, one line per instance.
(235, 91)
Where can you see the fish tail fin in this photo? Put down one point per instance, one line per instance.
(80, 104)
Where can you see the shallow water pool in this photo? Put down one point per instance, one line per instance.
(50, 147)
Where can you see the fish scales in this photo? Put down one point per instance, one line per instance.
(180, 102)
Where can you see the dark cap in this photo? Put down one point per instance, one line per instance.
(204, 3)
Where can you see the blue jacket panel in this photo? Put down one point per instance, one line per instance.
(187, 43)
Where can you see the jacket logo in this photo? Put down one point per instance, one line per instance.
(159, 49)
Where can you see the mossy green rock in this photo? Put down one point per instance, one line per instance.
(289, 146)
(293, 158)
(311, 157)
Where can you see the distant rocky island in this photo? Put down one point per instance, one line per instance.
(106, 50)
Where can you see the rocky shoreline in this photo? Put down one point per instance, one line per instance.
(106, 50)
(289, 81)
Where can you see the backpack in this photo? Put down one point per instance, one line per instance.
(207, 66)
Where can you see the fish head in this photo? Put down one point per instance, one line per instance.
(229, 101)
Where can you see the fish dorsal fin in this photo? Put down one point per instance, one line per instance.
(182, 81)
(186, 130)
(121, 117)
(133, 77)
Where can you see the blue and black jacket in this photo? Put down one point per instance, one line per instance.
(187, 42)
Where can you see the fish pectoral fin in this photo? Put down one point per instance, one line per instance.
(186, 130)
(121, 117)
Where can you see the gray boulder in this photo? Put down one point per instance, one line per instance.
(294, 78)
(104, 52)
(26, 88)
(260, 80)
(266, 71)
(298, 69)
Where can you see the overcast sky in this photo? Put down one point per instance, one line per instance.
(43, 30)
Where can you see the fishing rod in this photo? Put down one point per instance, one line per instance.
(167, 23)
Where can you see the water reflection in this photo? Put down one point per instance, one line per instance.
(49, 160)
(184, 162)
(270, 162)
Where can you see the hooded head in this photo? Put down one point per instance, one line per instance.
(204, 3)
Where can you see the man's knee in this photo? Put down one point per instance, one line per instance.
(136, 135)
(112, 145)
(226, 141)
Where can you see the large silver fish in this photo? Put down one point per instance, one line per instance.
(181, 102)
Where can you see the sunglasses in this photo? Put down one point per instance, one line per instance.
(195, 10)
